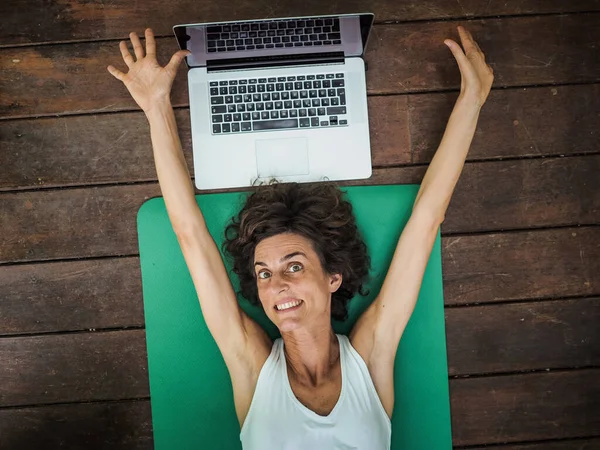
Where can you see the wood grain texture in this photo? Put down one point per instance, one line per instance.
(573, 444)
(79, 295)
(519, 266)
(101, 221)
(71, 296)
(520, 337)
(512, 408)
(26, 23)
(480, 340)
(123, 425)
(73, 367)
(520, 408)
(404, 130)
(402, 58)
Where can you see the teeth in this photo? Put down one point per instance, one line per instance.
(287, 305)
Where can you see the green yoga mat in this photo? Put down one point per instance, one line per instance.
(190, 388)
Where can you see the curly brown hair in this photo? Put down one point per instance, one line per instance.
(316, 211)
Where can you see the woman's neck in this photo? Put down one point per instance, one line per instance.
(311, 355)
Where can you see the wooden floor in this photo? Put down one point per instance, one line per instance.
(521, 240)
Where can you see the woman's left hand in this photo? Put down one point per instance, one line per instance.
(476, 75)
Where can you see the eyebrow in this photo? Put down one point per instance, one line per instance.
(285, 258)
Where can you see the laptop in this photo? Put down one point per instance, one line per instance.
(281, 99)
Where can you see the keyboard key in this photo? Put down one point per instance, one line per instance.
(269, 106)
(329, 75)
(214, 91)
(275, 124)
(274, 114)
(246, 116)
(275, 96)
(235, 127)
(237, 117)
(213, 83)
(302, 112)
(325, 123)
(264, 115)
(226, 128)
(216, 128)
(255, 116)
(227, 117)
(217, 118)
(337, 83)
(320, 112)
(314, 122)
(246, 126)
(335, 110)
(343, 122)
(219, 109)
(312, 112)
(305, 122)
(230, 108)
(217, 100)
(293, 113)
(283, 114)
(339, 75)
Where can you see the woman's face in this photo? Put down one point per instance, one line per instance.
(292, 285)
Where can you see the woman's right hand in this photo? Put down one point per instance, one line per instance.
(148, 83)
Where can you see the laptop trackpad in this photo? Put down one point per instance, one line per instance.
(282, 157)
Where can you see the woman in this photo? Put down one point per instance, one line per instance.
(299, 255)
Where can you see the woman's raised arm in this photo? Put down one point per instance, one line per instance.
(150, 86)
(236, 334)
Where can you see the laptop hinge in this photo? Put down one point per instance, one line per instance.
(274, 61)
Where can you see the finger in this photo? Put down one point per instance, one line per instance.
(464, 64)
(150, 42)
(116, 73)
(176, 60)
(125, 53)
(466, 38)
(137, 45)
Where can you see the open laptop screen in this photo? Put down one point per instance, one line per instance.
(346, 33)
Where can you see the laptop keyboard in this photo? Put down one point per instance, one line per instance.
(276, 103)
(273, 34)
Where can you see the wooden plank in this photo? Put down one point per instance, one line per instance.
(123, 425)
(402, 58)
(110, 296)
(525, 336)
(573, 444)
(527, 265)
(74, 20)
(101, 221)
(113, 148)
(488, 410)
(517, 408)
(481, 340)
(73, 367)
(70, 296)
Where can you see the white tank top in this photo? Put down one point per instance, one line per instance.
(277, 420)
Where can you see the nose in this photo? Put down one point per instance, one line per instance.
(278, 283)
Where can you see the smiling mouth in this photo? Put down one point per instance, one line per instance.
(290, 306)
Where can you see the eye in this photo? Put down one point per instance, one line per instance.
(296, 265)
(261, 273)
